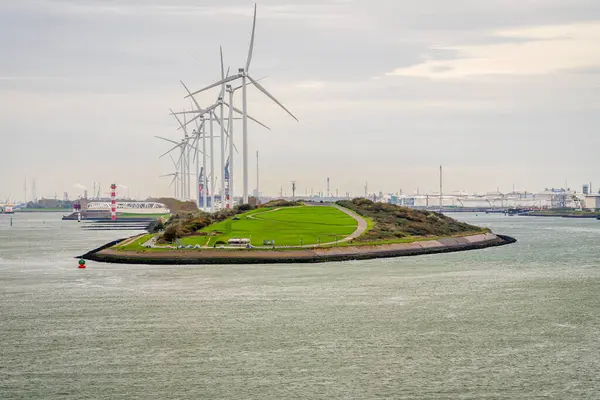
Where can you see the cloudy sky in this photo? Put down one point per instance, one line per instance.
(500, 92)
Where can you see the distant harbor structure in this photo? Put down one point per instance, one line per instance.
(463, 201)
(103, 209)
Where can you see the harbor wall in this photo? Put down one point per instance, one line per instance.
(315, 255)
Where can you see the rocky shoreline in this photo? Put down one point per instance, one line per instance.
(309, 255)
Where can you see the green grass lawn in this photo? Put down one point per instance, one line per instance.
(136, 245)
(288, 226)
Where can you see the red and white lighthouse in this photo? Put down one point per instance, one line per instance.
(113, 202)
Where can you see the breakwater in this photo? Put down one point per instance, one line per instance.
(313, 255)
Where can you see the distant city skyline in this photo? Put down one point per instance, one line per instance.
(499, 92)
(78, 190)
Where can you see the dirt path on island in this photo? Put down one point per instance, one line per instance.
(360, 229)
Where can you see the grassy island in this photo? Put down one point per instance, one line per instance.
(282, 231)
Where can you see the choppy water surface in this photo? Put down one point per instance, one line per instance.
(521, 321)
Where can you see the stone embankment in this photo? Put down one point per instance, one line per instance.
(299, 255)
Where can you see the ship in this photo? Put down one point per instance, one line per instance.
(7, 208)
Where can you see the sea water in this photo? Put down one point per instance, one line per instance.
(515, 322)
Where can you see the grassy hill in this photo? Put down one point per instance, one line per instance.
(391, 222)
(288, 226)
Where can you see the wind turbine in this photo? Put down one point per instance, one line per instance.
(231, 90)
(176, 178)
(202, 174)
(210, 110)
(211, 117)
(184, 146)
(185, 153)
(245, 77)
(200, 133)
(180, 164)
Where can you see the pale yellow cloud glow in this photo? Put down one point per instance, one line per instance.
(542, 50)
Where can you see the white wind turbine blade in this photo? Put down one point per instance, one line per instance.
(177, 118)
(198, 134)
(222, 72)
(168, 140)
(225, 129)
(234, 146)
(173, 160)
(181, 155)
(165, 175)
(228, 79)
(250, 51)
(262, 89)
(196, 151)
(173, 181)
(237, 110)
(248, 83)
(162, 155)
(193, 146)
(184, 125)
(186, 112)
(201, 113)
(191, 96)
(218, 121)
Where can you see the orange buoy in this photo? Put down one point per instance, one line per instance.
(81, 263)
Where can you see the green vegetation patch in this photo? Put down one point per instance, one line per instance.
(290, 226)
(391, 223)
(136, 244)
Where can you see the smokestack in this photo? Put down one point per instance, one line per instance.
(441, 185)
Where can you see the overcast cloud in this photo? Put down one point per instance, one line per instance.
(500, 92)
